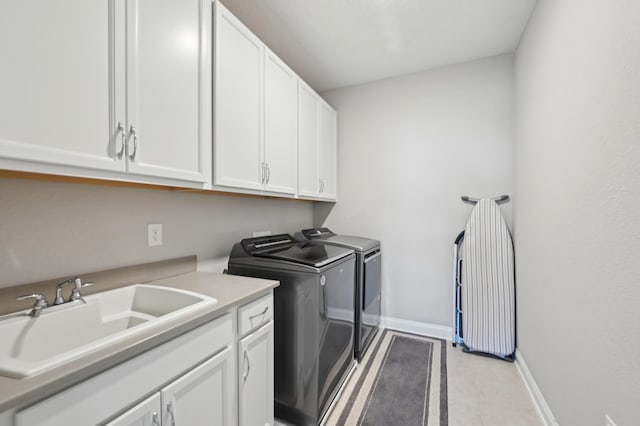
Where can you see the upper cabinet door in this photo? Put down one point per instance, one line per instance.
(168, 88)
(280, 125)
(327, 159)
(308, 180)
(57, 92)
(238, 104)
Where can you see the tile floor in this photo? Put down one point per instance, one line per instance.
(485, 392)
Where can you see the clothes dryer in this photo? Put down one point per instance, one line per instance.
(367, 282)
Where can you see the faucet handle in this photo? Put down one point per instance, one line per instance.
(40, 299)
(79, 284)
(59, 299)
(75, 293)
(40, 304)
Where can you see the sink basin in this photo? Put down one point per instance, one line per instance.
(60, 334)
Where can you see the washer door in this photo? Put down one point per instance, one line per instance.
(336, 318)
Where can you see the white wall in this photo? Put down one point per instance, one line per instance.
(577, 207)
(409, 147)
(50, 230)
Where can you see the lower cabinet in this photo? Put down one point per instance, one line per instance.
(255, 362)
(203, 396)
(146, 413)
(255, 378)
(218, 374)
(189, 380)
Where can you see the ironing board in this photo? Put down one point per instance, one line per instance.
(488, 288)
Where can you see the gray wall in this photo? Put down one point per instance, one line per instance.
(50, 230)
(409, 148)
(577, 207)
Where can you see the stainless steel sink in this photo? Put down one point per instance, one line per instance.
(33, 345)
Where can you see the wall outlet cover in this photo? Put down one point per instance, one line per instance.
(154, 234)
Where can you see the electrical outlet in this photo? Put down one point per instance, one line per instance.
(261, 234)
(154, 234)
(608, 421)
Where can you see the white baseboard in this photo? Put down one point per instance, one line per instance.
(536, 394)
(416, 327)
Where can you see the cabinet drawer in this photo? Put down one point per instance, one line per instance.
(254, 314)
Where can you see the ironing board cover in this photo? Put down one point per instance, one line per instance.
(488, 292)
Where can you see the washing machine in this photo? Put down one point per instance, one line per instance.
(313, 319)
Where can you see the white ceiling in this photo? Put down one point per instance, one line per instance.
(337, 43)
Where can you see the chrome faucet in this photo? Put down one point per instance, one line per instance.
(40, 304)
(75, 293)
(59, 297)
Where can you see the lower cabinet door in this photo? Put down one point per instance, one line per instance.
(203, 396)
(146, 413)
(255, 378)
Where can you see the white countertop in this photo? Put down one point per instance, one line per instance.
(229, 290)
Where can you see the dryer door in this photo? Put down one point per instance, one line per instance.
(371, 293)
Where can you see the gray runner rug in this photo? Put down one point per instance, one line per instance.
(402, 380)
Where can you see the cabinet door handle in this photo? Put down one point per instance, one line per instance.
(155, 419)
(123, 139)
(264, 311)
(133, 132)
(246, 360)
(171, 413)
(268, 173)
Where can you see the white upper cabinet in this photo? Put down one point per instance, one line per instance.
(308, 180)
(168, 106)
(255, 112)
(80, 80)
(317, 149)
(327, 150)
(280, 125)
(238, 103)
(57, 91)
(171, 92)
